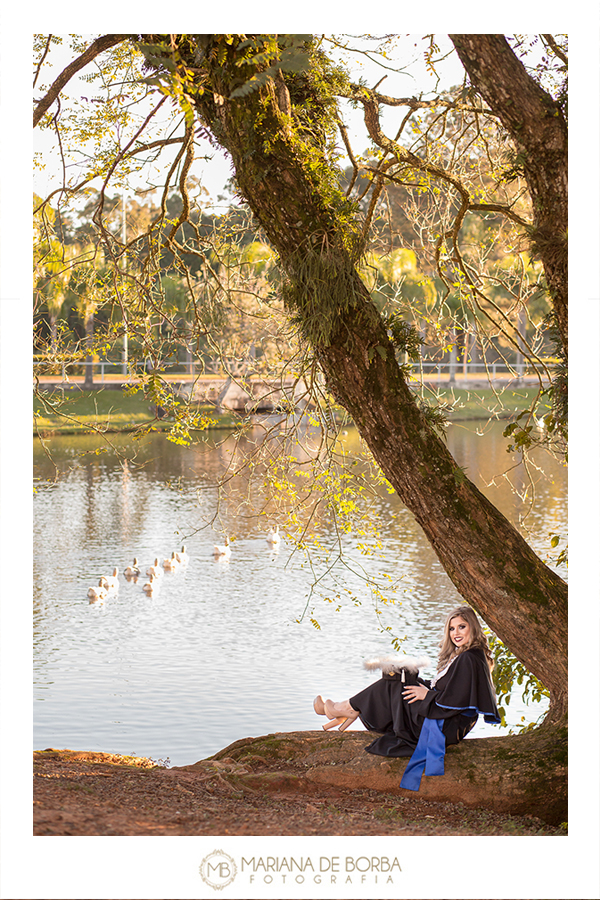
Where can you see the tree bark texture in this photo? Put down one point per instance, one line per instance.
(537, 126)
(488, 561)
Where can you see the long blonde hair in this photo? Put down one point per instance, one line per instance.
(476, 639)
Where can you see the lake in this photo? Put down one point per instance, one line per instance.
(231, 649)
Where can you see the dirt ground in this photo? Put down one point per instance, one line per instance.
(88, 793)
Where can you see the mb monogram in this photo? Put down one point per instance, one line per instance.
(218, 869)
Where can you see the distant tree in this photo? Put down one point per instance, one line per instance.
(52, 270)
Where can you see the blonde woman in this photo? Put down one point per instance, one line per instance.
(419, 718)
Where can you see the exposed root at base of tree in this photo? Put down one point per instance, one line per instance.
(517, 774)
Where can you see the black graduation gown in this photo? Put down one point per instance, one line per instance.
(458, 698)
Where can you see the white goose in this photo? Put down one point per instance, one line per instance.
(133, 570)
(182, 554)
(152, 585)
(222, 551)
(155, 570)
(112, 581)
(98, 593)
(172, 563)
(274, 537)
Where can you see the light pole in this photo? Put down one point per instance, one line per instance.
(125, 351)
(522, 333)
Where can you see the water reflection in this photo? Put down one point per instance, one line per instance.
(216, 653)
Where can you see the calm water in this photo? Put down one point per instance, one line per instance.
(218, 653)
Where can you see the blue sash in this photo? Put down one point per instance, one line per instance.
(428, 755)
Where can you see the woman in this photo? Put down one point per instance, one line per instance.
(418, 718)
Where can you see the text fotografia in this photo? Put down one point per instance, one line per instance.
(325, 869)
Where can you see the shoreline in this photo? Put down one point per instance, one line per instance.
(98, 413)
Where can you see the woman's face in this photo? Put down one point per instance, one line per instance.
(459, 631)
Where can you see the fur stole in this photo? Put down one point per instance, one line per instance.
(397, 664)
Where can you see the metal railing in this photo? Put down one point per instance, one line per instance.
(447, 371)
(453, 371)
(103, 364)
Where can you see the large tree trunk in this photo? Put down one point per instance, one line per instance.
(537, 126)
(490, 563)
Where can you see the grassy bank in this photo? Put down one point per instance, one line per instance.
(80, 412)
(481, 403)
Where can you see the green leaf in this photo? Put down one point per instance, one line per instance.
(253, 84)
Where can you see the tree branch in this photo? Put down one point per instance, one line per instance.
(357, 92)
(73, 189)
(43, 57)
(350, 152)
(98, 46)
(500, 208)
(558, 51)
(400, 153)
(187, 148)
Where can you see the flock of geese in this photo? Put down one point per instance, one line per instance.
(109, 584)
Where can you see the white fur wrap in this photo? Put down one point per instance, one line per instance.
(389, 664)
